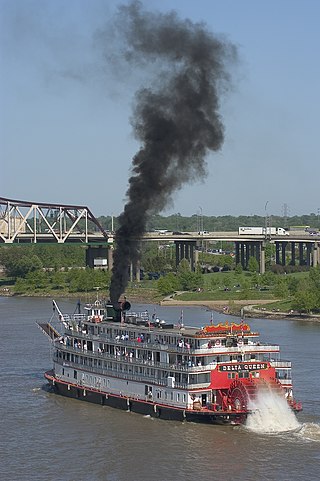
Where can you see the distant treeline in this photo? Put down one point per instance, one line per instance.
(177, 222)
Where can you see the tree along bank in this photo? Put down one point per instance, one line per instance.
(299, 291)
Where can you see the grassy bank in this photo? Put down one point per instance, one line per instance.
(220, 289)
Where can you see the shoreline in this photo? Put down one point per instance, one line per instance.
(238, 308)
(245, 306)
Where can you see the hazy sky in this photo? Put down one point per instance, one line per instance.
(65, 132)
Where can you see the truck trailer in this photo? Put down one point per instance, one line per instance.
(262, 231)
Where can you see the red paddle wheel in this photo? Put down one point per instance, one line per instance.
(240, 392)
(237, 396)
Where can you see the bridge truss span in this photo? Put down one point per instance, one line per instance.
(29, 222)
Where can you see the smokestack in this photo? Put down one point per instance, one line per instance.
(176, 118)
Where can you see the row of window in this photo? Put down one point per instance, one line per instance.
(113, 333)
(150, 391)
(159, 394)
(137, 370)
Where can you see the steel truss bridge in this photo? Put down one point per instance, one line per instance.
(30, 222)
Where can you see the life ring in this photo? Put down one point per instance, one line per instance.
(240, 342)
(97, 319)
(218, 342)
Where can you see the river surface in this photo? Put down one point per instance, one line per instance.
(47, 437)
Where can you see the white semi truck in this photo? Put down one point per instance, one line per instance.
(262, 231)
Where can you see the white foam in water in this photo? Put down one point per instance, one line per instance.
(271, 414)
(310, 432)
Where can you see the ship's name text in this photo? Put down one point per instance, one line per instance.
(243, 367)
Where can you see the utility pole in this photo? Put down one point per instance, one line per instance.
(285, 212)
(200, 220)
(266, 220)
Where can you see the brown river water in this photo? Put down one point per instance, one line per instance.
(47, 437)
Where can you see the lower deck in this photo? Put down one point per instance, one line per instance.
(148, 408)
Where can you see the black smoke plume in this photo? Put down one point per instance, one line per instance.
(176, 118)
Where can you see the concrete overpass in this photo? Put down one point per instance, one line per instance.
(296, 246)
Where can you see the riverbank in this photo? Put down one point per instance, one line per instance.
(247, 308)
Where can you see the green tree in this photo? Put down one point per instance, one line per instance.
(314, 277)
(21, 286)
(253, 264)
(168, 284)
(270, 252)
(267, 279)
(58, 280)
(255, 279)
(238, 269)
(25, 264)
(190, 280)
(304, 301)
(37, 279)
(293, 285)
(281, 289)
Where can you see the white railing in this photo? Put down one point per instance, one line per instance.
(281, 364)
(245, 348)
(138, 361)
(215, 350)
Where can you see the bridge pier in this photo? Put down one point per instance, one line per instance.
(316, 254)
(186, 250)
(110, 258)
(301, 260)
(135, 272)
(262, 258)
(247, 249)
(293, 254)
(281, 253)
(97, 252)
(308, 253)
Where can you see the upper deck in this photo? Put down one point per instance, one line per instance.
(138, 331)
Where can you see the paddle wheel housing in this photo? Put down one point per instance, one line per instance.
(237, 396)
(240, 392)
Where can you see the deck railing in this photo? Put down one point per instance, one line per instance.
(245, 348)
(138, 361)
(126, 375)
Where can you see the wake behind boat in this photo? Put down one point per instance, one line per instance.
(114, 357)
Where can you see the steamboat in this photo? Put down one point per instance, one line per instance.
(115, 357)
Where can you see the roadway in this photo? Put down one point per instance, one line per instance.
(108, 237)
